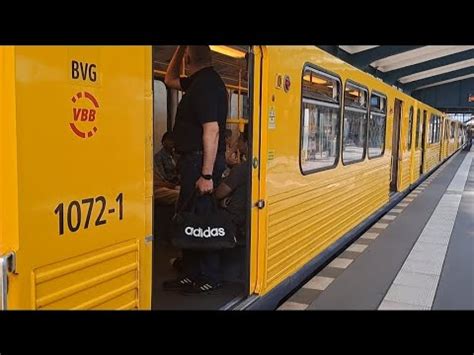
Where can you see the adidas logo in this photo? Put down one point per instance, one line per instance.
(206, 233)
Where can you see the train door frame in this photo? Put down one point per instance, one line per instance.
(251, 153)
(442, 138)
(397, 120)
(257, 149)
(441, 132)
(423, 141)
(172, 99)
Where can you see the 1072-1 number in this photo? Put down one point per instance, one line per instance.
(76, 210)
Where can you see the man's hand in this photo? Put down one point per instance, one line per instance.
(204, 186)
(172, 73)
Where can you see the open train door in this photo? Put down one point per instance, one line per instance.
(397, 122)
(75, 190)
(423, 141)
(442, 142)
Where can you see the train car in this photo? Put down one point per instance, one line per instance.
(76, 177)
(331, 149)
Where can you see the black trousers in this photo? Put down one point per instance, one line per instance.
(199, 264)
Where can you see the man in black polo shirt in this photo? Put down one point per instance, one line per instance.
(199, 133)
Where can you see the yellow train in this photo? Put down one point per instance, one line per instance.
(331, 149)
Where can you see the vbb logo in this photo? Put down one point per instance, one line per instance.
(84, 114)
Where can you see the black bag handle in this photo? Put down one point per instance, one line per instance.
(214, 203)
(191, 206)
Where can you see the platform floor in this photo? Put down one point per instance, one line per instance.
(418, 256)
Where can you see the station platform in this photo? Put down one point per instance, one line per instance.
(418, 256)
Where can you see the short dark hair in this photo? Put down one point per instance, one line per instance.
(200, 55)
(167, 135)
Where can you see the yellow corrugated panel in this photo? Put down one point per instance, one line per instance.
(404, 173)
(416, 166)
(432, 156)
(106, 278)
(311, 226)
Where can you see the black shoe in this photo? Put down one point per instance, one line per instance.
(177, 284)
(202, 287)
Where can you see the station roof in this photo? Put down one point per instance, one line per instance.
(442, 76)
(411, 67)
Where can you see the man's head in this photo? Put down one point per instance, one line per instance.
(197, 57)
(168, 142)
(242, 144)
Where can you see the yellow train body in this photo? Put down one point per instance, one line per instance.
(67, 256)
(56, 161)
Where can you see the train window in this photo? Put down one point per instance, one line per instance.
(438, 128)
(435, 123)
(319, 86)
(355, 123)
(453, 126)
(433, 129)
(320, 117)
(377, 122)
(410, 128)
(430, 132)
(418, 129)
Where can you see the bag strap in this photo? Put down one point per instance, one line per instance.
(191, 205)
(214, 203)
(191, 201)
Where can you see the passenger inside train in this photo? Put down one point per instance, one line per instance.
(232, 193)
(170, 264)
(166, 180)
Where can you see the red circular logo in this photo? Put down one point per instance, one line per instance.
(84, 114)
(287, 83)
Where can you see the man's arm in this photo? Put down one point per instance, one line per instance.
(172, 74)
(237, 177)
(210, 139)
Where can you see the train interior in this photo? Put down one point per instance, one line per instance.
(231, 62)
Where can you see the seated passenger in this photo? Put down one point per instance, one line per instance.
(165, 162)
(232, 191)
(231, 153)
(166, 189)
